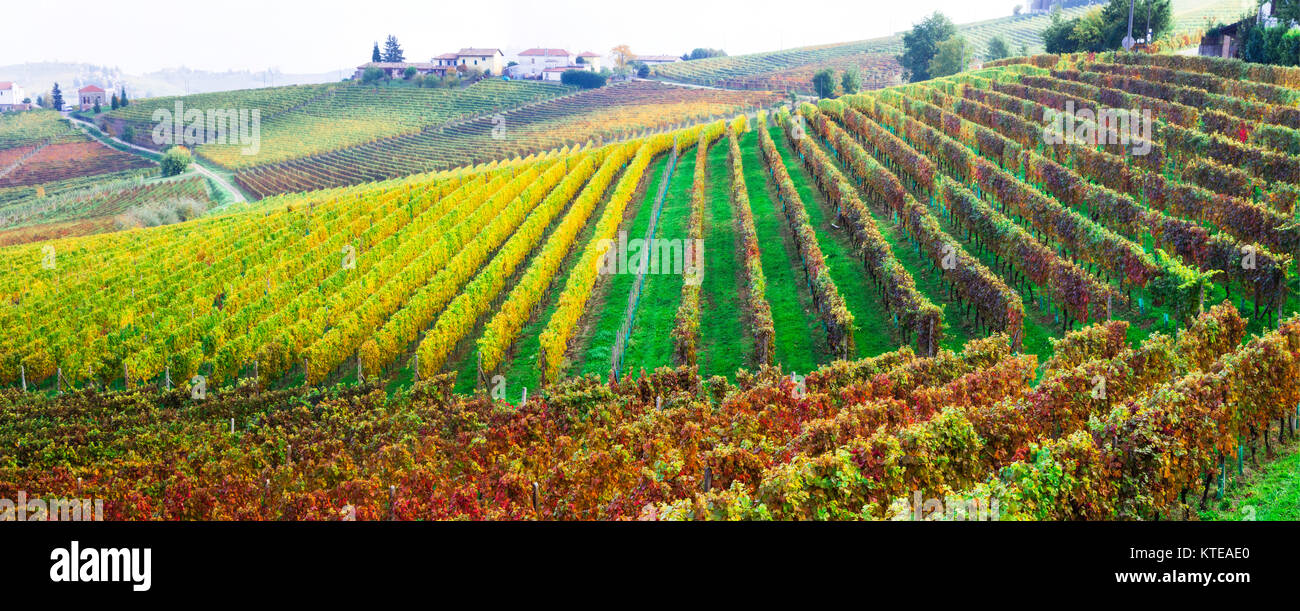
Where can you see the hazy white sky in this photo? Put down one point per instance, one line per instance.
(298, 36)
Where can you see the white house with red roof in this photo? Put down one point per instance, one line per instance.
(11, 96)
(90, 94)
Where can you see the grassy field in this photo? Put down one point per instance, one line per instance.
(872, 323)
(650, 345)
(726, 341)
(607, 310)
(800, 337)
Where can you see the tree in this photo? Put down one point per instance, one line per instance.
(57, 97)
(921, 43)
(176, 160)
(1057, 36)
(372, 74)
(997, 49)
(824, 83)
(113, 102)
(1153, 14)
(582, 78)
(393, 51)
(1090, 31)
(409, 72)
(622, 55)
(40, 101)
(951, 57)
(702, 52)
(121, 99)
(850, 82)
(643, 70)
(1104, 29)
(374, 55)
(96, 106)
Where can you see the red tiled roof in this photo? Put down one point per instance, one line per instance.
(90, 89)
(447, 56)
(471, 51)
(544, 52)
(6, 85)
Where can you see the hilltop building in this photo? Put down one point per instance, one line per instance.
(534, 62)
(549, 64)
(11, 97)
(397, 70)
(89, 95)
(490, 61)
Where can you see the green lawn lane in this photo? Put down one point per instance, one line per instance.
(651, 343)
(873, 333)
(726, 341)
(800, 336)
(594, 354)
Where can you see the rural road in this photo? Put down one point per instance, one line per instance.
(237, 196)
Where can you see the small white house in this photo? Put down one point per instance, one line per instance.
(11, 96)
(554, 74)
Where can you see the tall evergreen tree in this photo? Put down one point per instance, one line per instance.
(113, 102)
(121, 99)
(392, 50)
(57, 97)
(374, 55)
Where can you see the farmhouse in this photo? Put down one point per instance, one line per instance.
(398, 69)
(488, 60)
(11, 96)
(590, 61)
(534, 62)
(89, 95)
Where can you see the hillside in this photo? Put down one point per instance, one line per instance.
(792, 70)
(916, 273)
(39, 77)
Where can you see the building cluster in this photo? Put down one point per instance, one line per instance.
(14, 98)
(537, 63)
